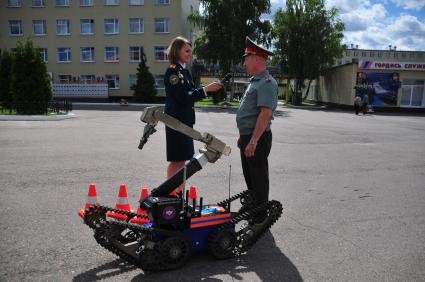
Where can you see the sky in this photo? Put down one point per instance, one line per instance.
(376, 24)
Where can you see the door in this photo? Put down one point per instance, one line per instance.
(413, 93)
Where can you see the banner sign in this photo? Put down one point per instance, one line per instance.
(372, 65)
(381, 88)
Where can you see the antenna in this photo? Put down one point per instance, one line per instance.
(230, 174)
(184, 186)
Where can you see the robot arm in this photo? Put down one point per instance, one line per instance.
(214, 147)
(210, 153)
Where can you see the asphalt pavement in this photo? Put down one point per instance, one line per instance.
(352, 188)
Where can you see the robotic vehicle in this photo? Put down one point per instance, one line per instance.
(174, 227)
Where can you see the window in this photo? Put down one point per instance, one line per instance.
(87, 78)
(355, 53)
(113, 81)
(403, 55)
(132, 80)
(86, 26)
(43, 52)
(379, 54)
(135, 25)
(161, 54)
(13, 3)
(15, 27)
(111, 26)
(38, 3)
(87, 54)
(62, 3)
(135, 54)
(364, 54)
(112, 2)
(159, 81)
(395, 55)
(372, 54)
(86, 3)
(65, 78)
(162, 2)
(112, 54)
(347, 53)
(62, 27)
(162, 25)
(39, 27)
(136, 2)
(64, 55)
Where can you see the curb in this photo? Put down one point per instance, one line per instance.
(136, 107)
(303, 107)
(36, 118)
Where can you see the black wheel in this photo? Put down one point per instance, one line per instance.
(101, 237)
(175, 252)
(221, 244)
(248, 200)
(150, 260)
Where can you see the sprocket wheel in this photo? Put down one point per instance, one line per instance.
(150, 259)
(248, 200)
(222, 244)
(175, 252)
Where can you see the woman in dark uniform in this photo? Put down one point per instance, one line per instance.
(179, 103)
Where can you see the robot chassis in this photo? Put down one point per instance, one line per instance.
(176, 227)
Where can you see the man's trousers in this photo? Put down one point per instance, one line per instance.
(256, 168)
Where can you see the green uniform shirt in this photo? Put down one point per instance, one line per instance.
(261, 92)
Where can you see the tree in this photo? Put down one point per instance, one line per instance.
(6, 61)
(144, 90)
(226, 23)
(308, 40)
(31, 86)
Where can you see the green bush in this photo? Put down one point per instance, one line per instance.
(30, 84)
(6, 61)
(144, 90)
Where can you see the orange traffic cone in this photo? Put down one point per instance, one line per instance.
(144, 192)
(91, 199)
(122, 204)
(192, 192)
(122, 201)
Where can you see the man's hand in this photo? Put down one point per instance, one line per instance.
(239, 143)
(250, 150)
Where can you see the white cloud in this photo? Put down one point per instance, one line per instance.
(410, 4)
(372, 27)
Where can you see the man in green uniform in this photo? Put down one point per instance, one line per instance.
(253, 120)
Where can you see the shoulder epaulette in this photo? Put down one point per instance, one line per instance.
(173, 66)
(267, 78)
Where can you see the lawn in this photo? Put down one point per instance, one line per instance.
(12, 112)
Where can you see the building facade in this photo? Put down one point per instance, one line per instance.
(397, 78)
(98, 40)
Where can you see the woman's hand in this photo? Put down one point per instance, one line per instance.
(213, 87)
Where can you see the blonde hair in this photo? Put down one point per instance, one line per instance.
(174, 48)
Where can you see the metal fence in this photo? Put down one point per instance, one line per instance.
(29, 108)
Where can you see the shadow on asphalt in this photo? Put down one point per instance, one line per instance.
(264, 261)
(106, 270)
